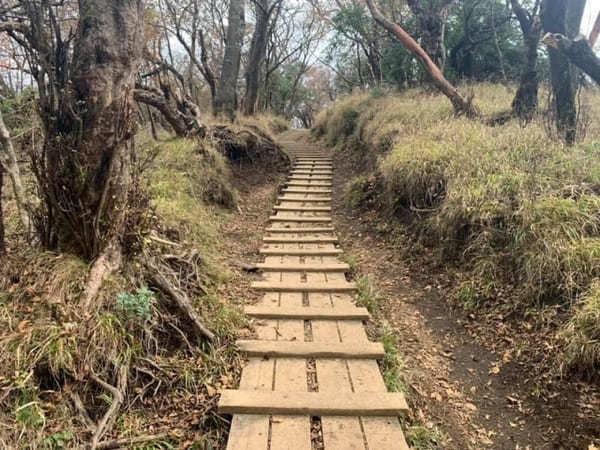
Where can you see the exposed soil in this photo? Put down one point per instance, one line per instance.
(472, 375)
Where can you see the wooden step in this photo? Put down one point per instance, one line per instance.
(300, 252)
(318, 183)
(306, 191)
(307, 313)
(285, 198)
(303, 287)
(331, 267)
(361, 404)
(299, 219)
(310, 177)
(310, 172)
(303, 208)
(321, 350)
(300, 230)
(300, 240)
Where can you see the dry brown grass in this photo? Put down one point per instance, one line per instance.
(510, 203)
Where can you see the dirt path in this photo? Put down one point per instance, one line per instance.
(467, 379)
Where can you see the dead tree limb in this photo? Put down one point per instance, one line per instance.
(595, 32)
(182, 300)
(578, 51)
(462, 105)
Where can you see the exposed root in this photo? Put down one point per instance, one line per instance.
(180, 298)
(107, 263)
(118, 394)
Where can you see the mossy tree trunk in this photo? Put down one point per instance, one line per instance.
(258, 49)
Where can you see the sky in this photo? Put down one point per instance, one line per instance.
(591, 12)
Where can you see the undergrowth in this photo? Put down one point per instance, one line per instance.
(54, 354)
(511, 205)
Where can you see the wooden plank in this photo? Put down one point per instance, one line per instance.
(290, 432)
(332, 267)
(312, 403)
(303, 208)
(295, 349)
(300, 251)
(281, 218)
(303, 287)
(307, 313)
(286, 198)
(380, 432)
(306, 191)
(300, 240)
(317, 183)
(339, 433)
(310, 177)
(286, 229)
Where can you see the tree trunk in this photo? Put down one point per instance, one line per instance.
(595, 32)
(563, 17)
(256, 57)
(84, 172)
(525, 102)
(8, 159)
(226, 96)
(460, 104)
(578, 52)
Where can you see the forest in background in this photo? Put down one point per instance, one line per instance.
(126, 128)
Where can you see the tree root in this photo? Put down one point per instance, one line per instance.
(118, 397)
(107, 263)
(181, 299)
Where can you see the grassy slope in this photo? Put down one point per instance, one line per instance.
(47, 350)
(509, 203)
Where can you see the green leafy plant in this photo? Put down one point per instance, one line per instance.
(138, 305)
(58, 441)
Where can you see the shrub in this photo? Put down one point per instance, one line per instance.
(136, 306)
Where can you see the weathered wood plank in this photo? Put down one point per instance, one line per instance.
(331, 267)
(300, 240)
(301, 251)
(312, 403)
(290, 218)
(303, 208)
(304, 287)
(295, 349)
(307, 313)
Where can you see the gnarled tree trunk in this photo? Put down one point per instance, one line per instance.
(461, 105)
(2, 241)
(226, 96)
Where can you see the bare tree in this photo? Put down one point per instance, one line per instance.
(461, 105)
(577, 51)
(226, 97)
(525, 102)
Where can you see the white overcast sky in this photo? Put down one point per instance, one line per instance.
(591, 11)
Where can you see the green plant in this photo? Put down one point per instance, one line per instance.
(58, 441)
(420, 437)
(467, 296)
(366, 294)
(393, 364)
(138, 305)
(30, 414)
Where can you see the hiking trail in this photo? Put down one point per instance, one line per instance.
(312, 378)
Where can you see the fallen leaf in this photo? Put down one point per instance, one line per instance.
(23, 325)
